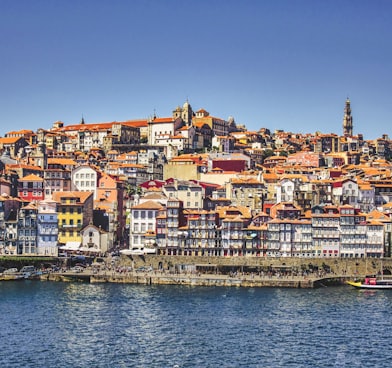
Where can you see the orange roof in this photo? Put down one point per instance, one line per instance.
(61, 161)
(245, 181)
(31, 177)
(149, 205)
(9, 140)
(162, 120)
(57, 196)
(23, 166)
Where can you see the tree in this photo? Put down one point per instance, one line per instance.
(132, 189)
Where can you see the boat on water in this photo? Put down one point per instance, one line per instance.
(372, 283)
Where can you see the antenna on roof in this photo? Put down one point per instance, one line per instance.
(82, 121)
(155, 115)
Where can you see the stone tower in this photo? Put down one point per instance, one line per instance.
(347, 120)
(185, 113)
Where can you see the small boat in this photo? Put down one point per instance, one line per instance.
(371, 283)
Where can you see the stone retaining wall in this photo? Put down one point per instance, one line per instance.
(339, 266)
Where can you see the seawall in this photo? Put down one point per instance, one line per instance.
(338, 266)
(159, 278)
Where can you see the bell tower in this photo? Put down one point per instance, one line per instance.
(347, 120)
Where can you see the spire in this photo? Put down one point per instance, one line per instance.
(347, 119)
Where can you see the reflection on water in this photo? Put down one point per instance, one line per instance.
(109, 325)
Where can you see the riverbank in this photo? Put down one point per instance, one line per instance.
(161, 278)
(208, 271)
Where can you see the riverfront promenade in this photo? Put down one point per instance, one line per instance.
(212, 271)
(198, 279)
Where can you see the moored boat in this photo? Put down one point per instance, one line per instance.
(371, 283)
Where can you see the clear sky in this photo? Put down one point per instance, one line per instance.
(279, 64)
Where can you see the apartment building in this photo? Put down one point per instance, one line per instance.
(143, 221)
(47, 228)
(75, 211)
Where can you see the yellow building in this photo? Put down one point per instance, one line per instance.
(75, 211)
(184, 167)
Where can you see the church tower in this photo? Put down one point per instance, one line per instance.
(187, 113)
(347, 120)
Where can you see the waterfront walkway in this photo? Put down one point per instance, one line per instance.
(199, 279)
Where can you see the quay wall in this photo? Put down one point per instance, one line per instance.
(338, 266)
(153, 278)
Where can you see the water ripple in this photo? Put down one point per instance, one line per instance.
(90, 325)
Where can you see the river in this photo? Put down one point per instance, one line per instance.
(54, 324)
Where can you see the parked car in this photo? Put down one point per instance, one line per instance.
(144, 269)
(27, 269)
(10, 271)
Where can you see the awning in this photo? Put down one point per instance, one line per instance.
(72, 245)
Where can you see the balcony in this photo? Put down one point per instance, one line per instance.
(68, 226)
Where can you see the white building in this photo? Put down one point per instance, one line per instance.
(142, 222)
(84, 179)
(375, 239)
(94, 239)
(285, 191)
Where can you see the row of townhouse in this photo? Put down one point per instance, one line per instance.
(45, 227)
(328, 231)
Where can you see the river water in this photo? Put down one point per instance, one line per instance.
(54, 324)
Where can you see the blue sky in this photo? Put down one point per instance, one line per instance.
(279, 64)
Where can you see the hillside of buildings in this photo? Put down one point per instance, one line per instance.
(195, 185)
